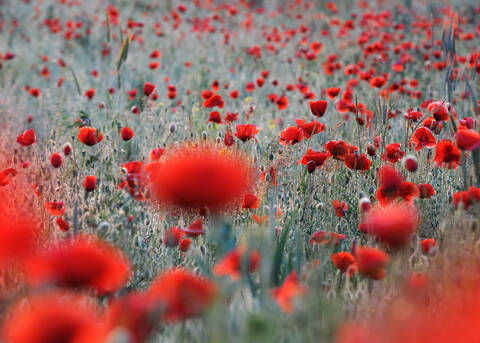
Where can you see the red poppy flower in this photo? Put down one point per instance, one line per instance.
(148, 88)
(390, 179)
(231, 264)
(288, 291)
(426, 190)
(89, 136)
(282, 102)
(127, 133)
(156, 153)
(214, 117)
(55, 208)
(27, 138)
(318, 108)
(83, 262)
(447, 154)
(184, 244)
(439, 109)
(131, 315)
(231, 117)
(228, 139)
(377, 82)
(310, 129)
(332, 92)
(393, 152)
(90, 183)
(468, 197)
(423, 138)
(338, 149)
(290, 136)
(428, 244)
(214, 100)
(89, 94)
(201, 176)
(340, 208)
(195, 229)
(52, 317)
(19, 230)
(179, 294)
(468, 139)
(410, 163)
(357, 162)
(345, 262)
(56, 160)
(246, 132)
(323, 237)
(318, 157)
(172, 236)
(392, 225)
(407, 191)
(62, 224)
(250, 201)
(371, 262)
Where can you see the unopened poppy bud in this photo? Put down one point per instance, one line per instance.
(311, 166)
(172, 127)
(56, 160)
(218, 140)
(90, 183)
(67, 149)
(204, 135)
(410, 163)
(101, 105)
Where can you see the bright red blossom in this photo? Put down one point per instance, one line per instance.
(290, 289)
(201, 176)
(447, 154)
(83, 262)
(89, 136)
(179, 294)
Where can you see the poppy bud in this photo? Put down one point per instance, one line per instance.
(90, 183)
(56, 160)
(311, 165)
(204, 135)
(67, 149)
(172, 127)
(410, 163)
(127, 133)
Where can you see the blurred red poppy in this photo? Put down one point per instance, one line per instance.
(231, 264)
(371, 261)
(288, 291)
(178, 294)
(82, 262)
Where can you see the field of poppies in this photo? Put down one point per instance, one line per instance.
(239, 171)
